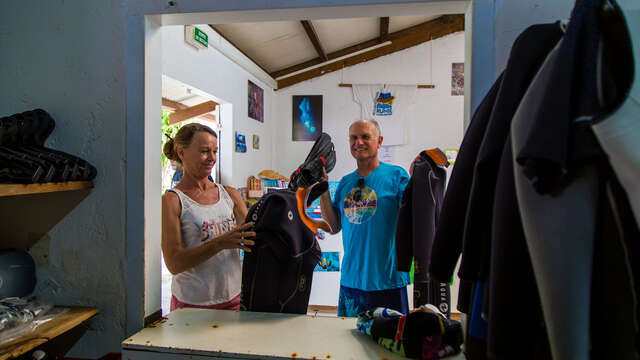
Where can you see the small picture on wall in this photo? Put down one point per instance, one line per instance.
(329, 261)
(457, 79)
(451, 155)
(241, 143)
(256, 142)
(307, 117)
(256, 102)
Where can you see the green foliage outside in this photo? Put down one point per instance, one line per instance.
(171, 130)
(167, 129)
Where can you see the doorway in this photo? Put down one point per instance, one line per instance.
(176, 97)
(154, 43)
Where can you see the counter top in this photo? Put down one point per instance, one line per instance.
(241, 334)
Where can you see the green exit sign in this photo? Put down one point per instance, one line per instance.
(201, 37)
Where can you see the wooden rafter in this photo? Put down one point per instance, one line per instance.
(313, 36)
(191, 112)
(384, 28)
(235, 46)
(400, 40)
(172, 105)
(352, 49)
(175, 106)
(419, 86)
(331, 56)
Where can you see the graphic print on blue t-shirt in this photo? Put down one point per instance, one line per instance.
(360, 205)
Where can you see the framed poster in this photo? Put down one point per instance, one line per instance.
(451, 155)
(457, 79)
(306, 117)
(256, 102)
(256, 142)
(241, 143)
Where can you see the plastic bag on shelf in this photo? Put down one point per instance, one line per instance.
(20, 316)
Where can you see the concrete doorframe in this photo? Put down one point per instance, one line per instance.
(143, 208)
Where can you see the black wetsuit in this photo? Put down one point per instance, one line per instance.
(277, 273)
(475, 212)
(417, 219)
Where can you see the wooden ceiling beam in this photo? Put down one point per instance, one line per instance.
(172, 105)
(191, 112)
(384, 28)
(313, 36)
(369, 43)
(401, 40)
(331, 56)
(235, 46)
(175, 106)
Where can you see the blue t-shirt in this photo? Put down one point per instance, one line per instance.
(369, 216)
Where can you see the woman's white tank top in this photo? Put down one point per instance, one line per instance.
(218, 279)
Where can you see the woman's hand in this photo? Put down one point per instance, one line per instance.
(236, 238)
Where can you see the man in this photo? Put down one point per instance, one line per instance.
(366, 207)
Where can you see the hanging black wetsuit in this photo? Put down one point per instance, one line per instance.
(417, 219)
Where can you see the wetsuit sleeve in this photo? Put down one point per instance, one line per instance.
(447, 243)
(404, 231)
(403, 181)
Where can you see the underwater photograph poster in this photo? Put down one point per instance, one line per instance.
(307, 117)
(256, 102)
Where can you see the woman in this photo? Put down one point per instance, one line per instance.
(201, 242)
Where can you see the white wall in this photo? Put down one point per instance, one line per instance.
(435, 120)
(210, 71)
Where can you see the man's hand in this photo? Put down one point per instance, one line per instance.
(326, 207)
(325, 176)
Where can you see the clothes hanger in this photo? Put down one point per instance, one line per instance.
(563, 24)
(438, 156)
(615, 60)
(608, 5)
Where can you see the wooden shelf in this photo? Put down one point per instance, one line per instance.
(47, 331)
(25, 189)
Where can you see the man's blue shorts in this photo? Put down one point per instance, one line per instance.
(354, 301)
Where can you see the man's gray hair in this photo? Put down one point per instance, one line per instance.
(371, 121)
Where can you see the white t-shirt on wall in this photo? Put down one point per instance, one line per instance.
(388, 105)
